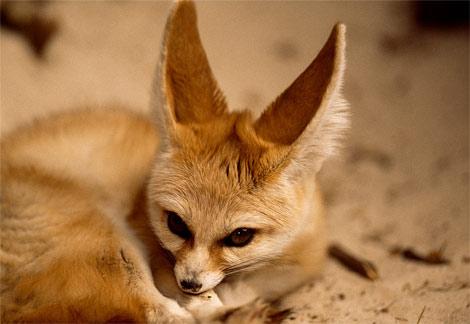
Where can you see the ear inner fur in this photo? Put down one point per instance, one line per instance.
(191, 90)
(288, 116)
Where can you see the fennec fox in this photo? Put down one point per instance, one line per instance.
(110, 216)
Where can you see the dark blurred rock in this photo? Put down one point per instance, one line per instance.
(26, 19)
(441, 13)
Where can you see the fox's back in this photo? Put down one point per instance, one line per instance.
(107, 149)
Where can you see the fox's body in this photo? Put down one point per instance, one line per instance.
(64, 238)
(94, 201)
(73, 246)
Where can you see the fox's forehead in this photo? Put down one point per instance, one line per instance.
(199, 177)
(217, 188)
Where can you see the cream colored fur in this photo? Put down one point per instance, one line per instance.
(85, 196)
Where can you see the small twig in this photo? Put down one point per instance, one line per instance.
(433, 257)
(362, 267)
(278, 317)
(450, 287)
(385, 309)
(381, 309)
(421, 315)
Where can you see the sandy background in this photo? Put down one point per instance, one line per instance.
(403, 177)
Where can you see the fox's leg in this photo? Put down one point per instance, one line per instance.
(107, 282)
(128, 277)
(118, 291)
(137, 280)
(90, 270)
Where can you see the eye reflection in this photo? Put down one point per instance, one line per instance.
(239, 237)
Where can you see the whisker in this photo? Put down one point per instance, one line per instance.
(248, 265)
(246, 268)
(250, 261)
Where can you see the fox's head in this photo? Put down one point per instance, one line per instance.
(226, 194)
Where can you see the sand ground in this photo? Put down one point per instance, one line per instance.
(403, 177)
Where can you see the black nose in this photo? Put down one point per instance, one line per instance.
(192, 285)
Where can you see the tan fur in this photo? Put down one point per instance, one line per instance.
(67, 254)
(85, 195)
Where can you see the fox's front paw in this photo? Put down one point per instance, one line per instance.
(205, 305)
(170, 313)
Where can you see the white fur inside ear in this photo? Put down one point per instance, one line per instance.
(323, 136)
(320, 142)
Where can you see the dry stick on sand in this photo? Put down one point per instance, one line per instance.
(433, 257)
(362, 267)
(421, 315)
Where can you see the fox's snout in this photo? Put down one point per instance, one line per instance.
(194, 282)
(194, 273)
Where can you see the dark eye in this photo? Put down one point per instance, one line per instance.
(177, 226)
(240, 237)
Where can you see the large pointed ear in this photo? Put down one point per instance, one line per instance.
(186, 91)
(310, 115)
